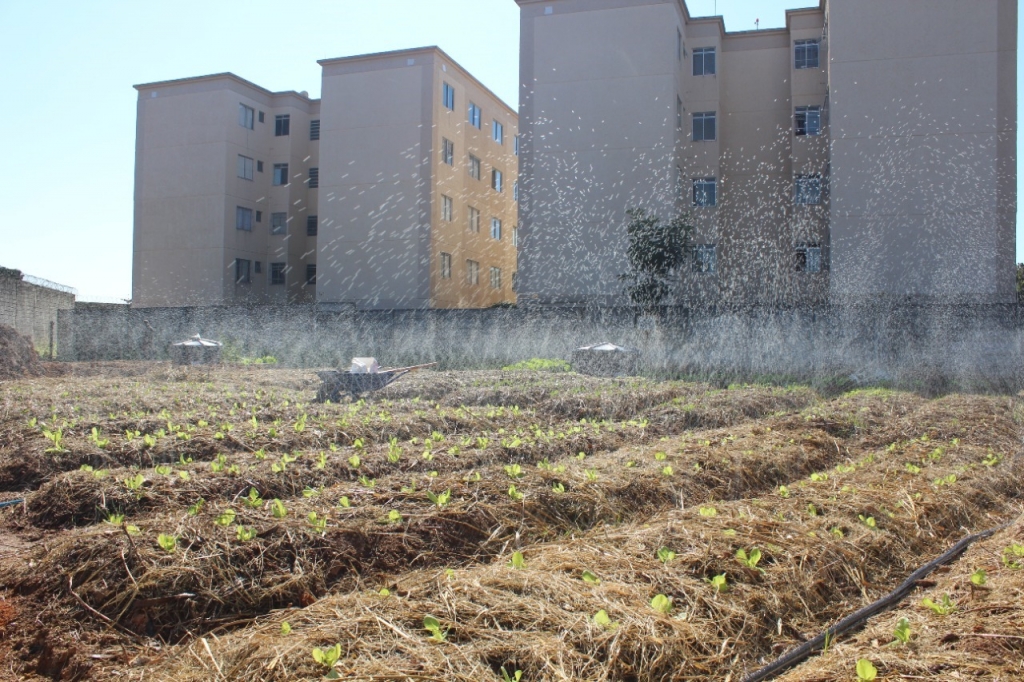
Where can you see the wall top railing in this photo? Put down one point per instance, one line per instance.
(40, 282)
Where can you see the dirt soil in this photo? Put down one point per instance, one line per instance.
(18, 359)
(218, 524)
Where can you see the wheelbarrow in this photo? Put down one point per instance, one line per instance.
(334, 384)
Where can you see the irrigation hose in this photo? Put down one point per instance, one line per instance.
(11, 503)
(857, 618)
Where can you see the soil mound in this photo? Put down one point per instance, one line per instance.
(18, 358)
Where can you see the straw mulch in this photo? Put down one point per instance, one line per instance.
(18, 359)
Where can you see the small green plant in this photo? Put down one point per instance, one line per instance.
(394, 516)
(913, 468)
(167, 542)
(440, 500)
(589, 577)
(286, 628)
(244, 534)
(708, 511)
(666, 555)
(194, 509)
(783, 492)
(945, 607)
(719, 582)
(667, 471)
(514, 677)
(602, 619)
(394, 451)
(868, 521)
(515, 494)
(134, 483)
(226, 518)
(355, 461)
(866, 672)
(254, 500)
(344, 502)
(902, 632)
(328, 657)
(368, 482)
(819, 476)
(539, 365)
(431, 625)
(749, 560)
(97, 440)
(518, 562)
(317, 523)
(57, 438)
(558, 488)
(514, 471)
(660, 456)
(591, 475)
(979, 578)
(1013, 556)
(278, 509)
(662, 604)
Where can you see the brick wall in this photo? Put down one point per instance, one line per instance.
(31, 308)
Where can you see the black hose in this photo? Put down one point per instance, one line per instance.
(857, 618)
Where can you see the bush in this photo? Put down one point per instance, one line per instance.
(540, 365)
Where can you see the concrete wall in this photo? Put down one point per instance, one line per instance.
(30, 308)
(974, 347)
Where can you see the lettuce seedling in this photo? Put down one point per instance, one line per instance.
(518, 561)
(902, 631)
(431, 625)
(167, 542)
(866, 672)
(662, 604)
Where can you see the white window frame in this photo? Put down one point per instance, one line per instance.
(245, 166)
(496, 179)
(496, 229)
(474, 220)
(282, 271)
(475, 116)
(702, 66)
(809, 115)
(472, 272)
(705, 258)
(448, 95)
(474, 168)
(447, 208)
(495, 278)
(446, 265)
(809, 258)
(246, 116)
(498, 131)
(243, 271)
(515, 236)
(243, 218)
(447, 152)
(281, 178)
(804, 57)
(705, 192)
(701, 122)
(279, 222)
(282, 125)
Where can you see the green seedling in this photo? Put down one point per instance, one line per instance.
(783, 492)
(194, 509)
(134, 483)
(278, 509)
(902, 632)
(518, 561)
(601, 619)
(868, 521)
(662, 604)
(913, 468)
(945, 607)
(431, 625)
(394, 516)
(591, 474)
(328, 657)
(163, 470)
(666, 555)
(184, 461)
(440, 500)
(226, 518)
(317, 523)
(311, 492)
(321, 461)
(300, 425)
(514, 677)
(667, 470)
(254, 500)
(344, 503)
(1013, 556)
(866, 672)
(589, 577)
(708, 511)
(660, 456)
(57, 438)
(515, 494)
(811, 509)
(244, 534)
(368, 482)
(355, 461)
(167, 542)
(819, 476)
(558, 488)
(394, 451)
(97, 440)
(719, 582)
(749, 560)
(286, 628)
(838, 532)
(384, 592)
(979, 578)
(514, 471)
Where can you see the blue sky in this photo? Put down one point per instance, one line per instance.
(69, 112)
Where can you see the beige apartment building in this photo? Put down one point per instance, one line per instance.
(411, 204)
(866, 150)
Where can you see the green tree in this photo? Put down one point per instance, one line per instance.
(655, 253)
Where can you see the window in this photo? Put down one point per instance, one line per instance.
(280, 173)
(282, 125)
(808, 121)
(808, 190)
(704, 192)
(258, 267)
(474, 220)
(679, 112)
(259, 219)
(310, 274)
(447, 151)
(807, 54)
(242, 275)
(495, 229)
(244, 167)
(474, 167)
(515, 191)
(448, 93)
(314, 178)
(515, 281)
(679, 45)
(243, 218)
(261, 117)
(498, 133)
(474, 115)
(447, 208)
(704, 61)
(278, 223)
(312, 224)
(277, 273)
(495, 278)
(496, 179)
(259, 166)
(808, 258)
(472, 272)
(446, 266)
(515, 237)
(704, 258)
(515, 144)
(314, 129)
(245, 116)
(704, 127)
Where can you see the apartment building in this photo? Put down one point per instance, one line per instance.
(866, 150)
(411, 204)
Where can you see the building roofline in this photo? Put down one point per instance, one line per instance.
(226, 75)
(426, 50)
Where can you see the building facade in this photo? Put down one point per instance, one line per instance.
(864, 151)
(236, 204)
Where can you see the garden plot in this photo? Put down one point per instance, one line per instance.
(188, 526)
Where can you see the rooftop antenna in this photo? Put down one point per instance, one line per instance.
(757, 24)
